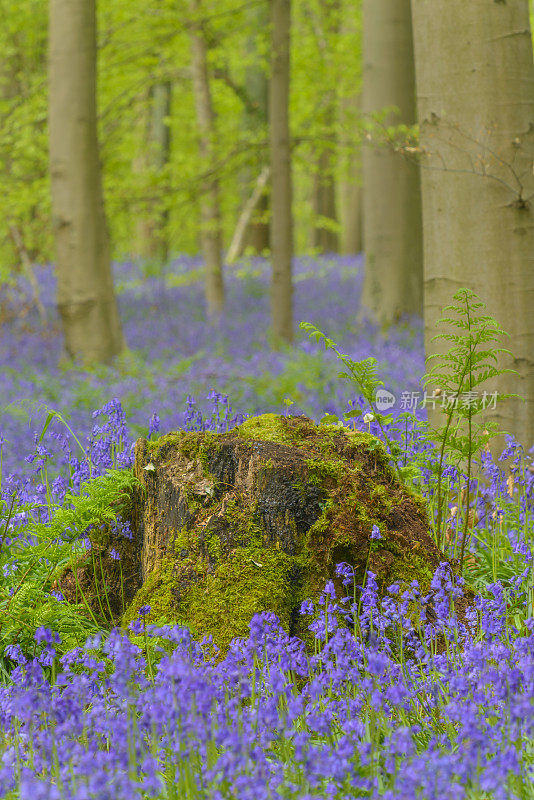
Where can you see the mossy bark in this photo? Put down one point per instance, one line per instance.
(256, 519)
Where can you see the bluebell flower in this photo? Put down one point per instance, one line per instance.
(375, 533)
(154, 424)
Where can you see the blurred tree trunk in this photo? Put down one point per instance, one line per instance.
(324, 235)
(140, 165)
(256, 118)
(391, 184)
(324, 202)
(152, 231)
(86, 299)
(281, 191)
(210, 209)
(350, 189)
(475, 84)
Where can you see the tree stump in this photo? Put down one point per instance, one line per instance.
(228, 525)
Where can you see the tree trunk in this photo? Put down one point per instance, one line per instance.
(210, 210)
(475, 84)
(152, 232)
(324, 204)
(350, 188)
(86, 299)
(324, 235)
(255, 120)
(156, 245)
(392, 202)
(281, 192)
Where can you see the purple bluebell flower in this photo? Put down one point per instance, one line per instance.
(307, 607)
(154, 424)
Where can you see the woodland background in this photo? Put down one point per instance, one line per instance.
(182, 183)
(141, 132)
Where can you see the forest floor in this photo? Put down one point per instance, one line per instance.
(174, 353)
(401, 697)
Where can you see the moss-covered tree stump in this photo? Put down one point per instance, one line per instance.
(257, 518)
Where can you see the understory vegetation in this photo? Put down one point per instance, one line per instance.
(415, 695)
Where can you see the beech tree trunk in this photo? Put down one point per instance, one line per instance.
(85, 296)
(324, 203)
(152, 232)
(255, 119)
(210, 209)
(350, 187)
(281, 191)
(475, 84)
(324, 235)
(392, 202)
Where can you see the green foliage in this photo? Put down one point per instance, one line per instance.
(363, 375)
(140, 46)
(467, 364)
(24, 199)
(33, 607)
(472, 360)
(31, 562)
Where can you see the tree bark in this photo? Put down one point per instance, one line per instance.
(324, 236)
(255, 120)
(350, 188)
(475, 84)
(152, 232)
(210, 209)
(281, 184)
(85, 298)
(324, 204)
(392, 203)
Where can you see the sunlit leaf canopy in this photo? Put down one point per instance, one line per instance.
(141, 44)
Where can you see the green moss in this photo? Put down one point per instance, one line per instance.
(321, 470)
(167, 440)
(244, 528)
(407, 567)
(213, 546)
(189, 443)
(420, 502)
(267, 427)
(279, 429)
(382, 500)
(251, 581)
(157, 593)
(182, 540)
(356, 438)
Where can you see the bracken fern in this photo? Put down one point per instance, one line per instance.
(466, 365)
(38, 551)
